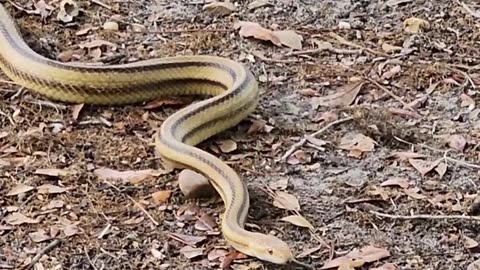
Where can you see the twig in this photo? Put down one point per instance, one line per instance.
(332, 50)
(44, 251)
(463, 163)
(351, 44)
(100, 3)
(383, 88)
(180, 31)
(134, 202)
(475, 14)
(315, 134)
(425, 216)
(88, 258)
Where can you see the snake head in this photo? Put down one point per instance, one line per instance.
(270, 248)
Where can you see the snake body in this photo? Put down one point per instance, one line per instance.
(234, 95)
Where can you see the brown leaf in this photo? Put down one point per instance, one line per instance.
(227, 146)
(51, 189)
(457, 142)
(217, 253)
(289, 38)
(191, 252)
(298, 221)
(467, 101)
(69, 55)
(358, 142)
(415, 25)
(379, 191)
(369, 254)
(39, 236)
(396, 181)
(187, 239)
(134, 177)
(19, 189)
(194, 185)
(161, 196)
(344, 96)
(251, 29)
(424, 166)
(287, 201)
(19, 219)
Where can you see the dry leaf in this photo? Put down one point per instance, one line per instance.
(70, 229)
(161, 196)
(220, 8)
(298, 220)
(424, 166)
(55, 204)
(50, 189)
(289, 38)
(396, 181)
(76, 109)
(19, 189)
(251, 29)
(39, 236)
(344, 96)
(227, 146)
(379, 191)
(134, 177)
(392, 72)
(457, 142)
(110, 26)
(52, 172)
(287, 201)
(68, 10)
(187, 239)
(413, 192)
(470, 242)
(217, 253)
(191, 252)
(42, 8)
(97, 43)
(205, 223)
(19, 219)
(474, 265)
(194, 185)
(358, 142)
(258, 3)
(309, 251)
(415, 25)
(467, 101)
(441, 169)
(157, 254)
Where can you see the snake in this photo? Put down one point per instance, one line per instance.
(232, 91)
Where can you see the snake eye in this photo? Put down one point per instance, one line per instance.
(270, 251)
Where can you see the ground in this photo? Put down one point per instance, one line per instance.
(417, 94)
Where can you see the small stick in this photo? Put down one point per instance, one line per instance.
(425, 216)
(315, 134)
(351, 44)
(44, 251)
(134, 202)
(332, 50)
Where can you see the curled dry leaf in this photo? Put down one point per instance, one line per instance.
(424, 166)
(51, 189)
(366, 254)
(344, 96)
(415, 25)
(19, 189)
(191, 252)
(357, 142)
(161, 196)
(255, 30)
(287, 201)
(457, 142)
(68, 10)
(298, 221)
(396, 181)
(220, 8)
(187, 239)
(19, 219)
(227, 146)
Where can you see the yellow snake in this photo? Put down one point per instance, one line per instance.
(235, 96)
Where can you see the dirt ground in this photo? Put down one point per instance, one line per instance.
(418, 96)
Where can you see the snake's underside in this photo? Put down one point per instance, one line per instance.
(234, 94)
